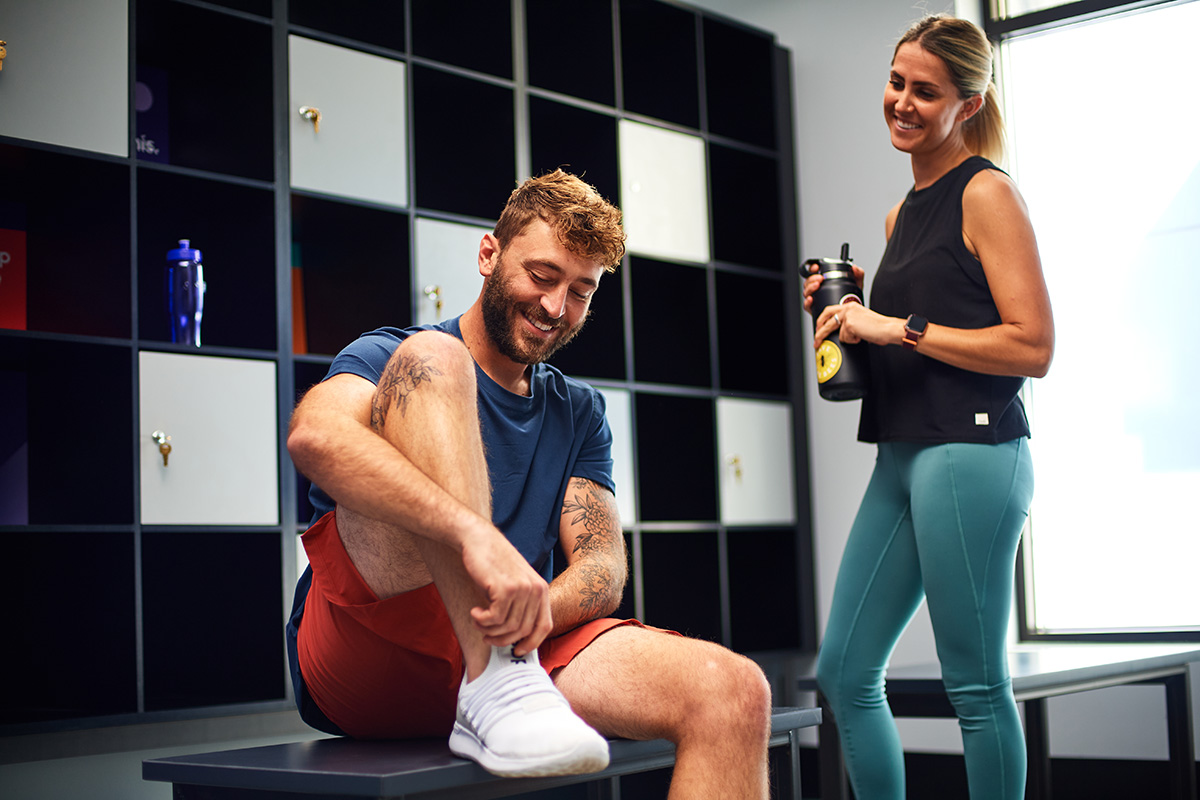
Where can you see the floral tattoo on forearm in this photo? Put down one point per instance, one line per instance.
(596, 513)
(595, 586)
(399, 380)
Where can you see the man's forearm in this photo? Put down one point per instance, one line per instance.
(588, 589)
(594, 580)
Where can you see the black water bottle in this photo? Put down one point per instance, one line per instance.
(843, 371)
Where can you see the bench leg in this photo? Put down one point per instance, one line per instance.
(1037, 750)
(1181, 744)
(794, 761)
(605, 789)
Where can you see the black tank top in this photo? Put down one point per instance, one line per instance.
(928, 270)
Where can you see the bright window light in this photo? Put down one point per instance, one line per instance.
(1103, 125)
(1006, 9)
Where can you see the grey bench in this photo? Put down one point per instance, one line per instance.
(325, 769)
(1040, 671)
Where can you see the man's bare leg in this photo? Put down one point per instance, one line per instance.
(714, 704)
(511, 719)
(425, 406)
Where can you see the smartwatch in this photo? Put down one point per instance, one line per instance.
(914, 329)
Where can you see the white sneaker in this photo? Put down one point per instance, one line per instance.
(515, 723)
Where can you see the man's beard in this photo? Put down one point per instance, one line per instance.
(499, 307)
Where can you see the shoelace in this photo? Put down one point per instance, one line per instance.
(516, 689)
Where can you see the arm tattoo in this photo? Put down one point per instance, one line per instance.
(399, 380)
(595, 590)
(596, 514)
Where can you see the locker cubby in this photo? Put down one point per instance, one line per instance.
(76, 242)
(74, 475)
(211, 618)
(763, 589)
(260, 8)
(354, 262)
(599, 349)
(666, 555)
(218, 105)
(659, 72)
(368, 21)
(474, 34)
(670, 323)
(556, 33)
(308, 374)
(739, 82)
(14, 443)
(676, 455)
(446, 124)
(580, 141)
(233, 226)
(752, 333)
(71, 644)
(745, 208)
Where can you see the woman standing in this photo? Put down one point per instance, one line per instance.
(959, 316)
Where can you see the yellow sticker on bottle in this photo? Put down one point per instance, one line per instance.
(829, 360)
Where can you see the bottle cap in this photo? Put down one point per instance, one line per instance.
(185, 252)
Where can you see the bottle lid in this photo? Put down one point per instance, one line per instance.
(841, 267)
(184, 252)
(833, 272)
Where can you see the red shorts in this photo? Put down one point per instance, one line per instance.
(390, 668)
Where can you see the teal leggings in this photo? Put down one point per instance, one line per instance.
(939, 522)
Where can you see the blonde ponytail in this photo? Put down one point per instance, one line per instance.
(984, 132)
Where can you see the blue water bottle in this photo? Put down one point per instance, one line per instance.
(185, 293)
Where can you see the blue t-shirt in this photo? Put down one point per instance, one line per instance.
(534, 445)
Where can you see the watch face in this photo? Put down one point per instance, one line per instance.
(829, 360)
(916, 323)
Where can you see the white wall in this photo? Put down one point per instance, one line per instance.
(849, 176)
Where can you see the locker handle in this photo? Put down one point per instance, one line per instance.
(434, 293)
(164, 444)
(313, 115)
(736, 462)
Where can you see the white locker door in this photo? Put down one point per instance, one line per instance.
(757, 475)
(347, 122)
(620, 419)
(447, 270)
(664, 192)
(65, 79)
(220, 415)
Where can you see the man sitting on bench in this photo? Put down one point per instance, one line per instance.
(458, 461)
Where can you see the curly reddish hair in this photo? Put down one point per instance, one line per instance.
(586, 223)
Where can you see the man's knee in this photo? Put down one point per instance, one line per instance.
(755, 693)
(735, 694)
(428, 364)
(447, 353)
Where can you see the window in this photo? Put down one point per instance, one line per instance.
(1102, 125)
(1022, 16)
(1008, 9)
